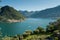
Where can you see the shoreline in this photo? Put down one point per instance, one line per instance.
(14, 21)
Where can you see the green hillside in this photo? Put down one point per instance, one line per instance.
(8, 12)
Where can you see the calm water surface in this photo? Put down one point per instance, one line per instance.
(20, 27)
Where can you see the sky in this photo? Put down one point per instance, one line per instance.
(30, 5)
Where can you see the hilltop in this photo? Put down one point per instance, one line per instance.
(9, 14)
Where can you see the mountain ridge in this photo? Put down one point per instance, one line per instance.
(9, 13)
(46, 13)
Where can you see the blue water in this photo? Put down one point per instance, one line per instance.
(21, 27)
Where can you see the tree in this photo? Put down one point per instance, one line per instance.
(39, 30)
(50, 28)
(36, 31)
(27, 33)
(56, 38)
(20, 37)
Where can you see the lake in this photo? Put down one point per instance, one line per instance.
(21, 27)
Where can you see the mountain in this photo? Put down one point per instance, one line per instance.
(26, 13)
(9, 13)
(47, 13)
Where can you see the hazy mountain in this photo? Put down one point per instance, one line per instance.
(26, 13)
(47, 13)
(8, 12)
